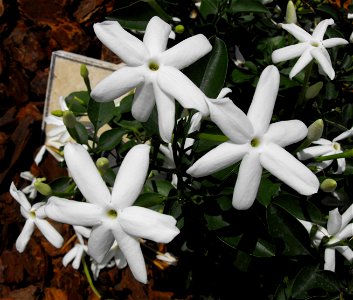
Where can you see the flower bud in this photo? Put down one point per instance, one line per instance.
(291, 15)
(57, 113)
(314, 90)
(42, 187)
(102, 164)
(69, 119)
(84, 71)
(179, 28)
(328, 185)
(315, 130)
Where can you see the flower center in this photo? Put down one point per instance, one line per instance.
(255, 142)
(336, 146)
(153, 66)
(32, 214)
(112, 213)
(315, 43)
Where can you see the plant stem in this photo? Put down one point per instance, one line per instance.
(345, 154)
(89, 278)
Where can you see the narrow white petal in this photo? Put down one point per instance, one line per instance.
(77, 261)
(341, 165)
(24, 236)
(156, 36)
(231, 120)
(143, 102)
(285, 133)
(347, 216)
(74, 212)
(299, 33)
(301, 63)
(120, 259)
(177, 85)
(325, 64)
(148, 224)
(128, 47)
(186, 52)
(333, 42)
(20, 197)
(346, 232)
(69, 256)
(99, 242)
(334, 222)
(131, 249)
(217, 159)
(319, 234)
(195, 125)
(346, 252)
(39, 156)
(321, 165)
(49, 232)
(223, 93)
(343, 135)
(85, 174)
(321, 28)
(289, 52)
(27, 175)
(117, 84)
(53, 120)
(131, 176)
(314, 151)
(166, 113)
(248, 181)
(261, 108)
(322, 141)
(292, 172)
(330, 259)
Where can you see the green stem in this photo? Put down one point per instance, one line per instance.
(345, 154)
(89, 278)
(212, 137)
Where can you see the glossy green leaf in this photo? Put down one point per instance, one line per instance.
(209, 7)
(79, 133)
(110, 139)
(149, 199)
(100, 113)
(77, 102)
(264, 249)
(215, 222)
(267, 190)
(239, 6)
(63, 187)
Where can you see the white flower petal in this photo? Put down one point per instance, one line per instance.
(334, 222)
(347, 216)
(314, 151)
(186, 52)
(74, 212)
(53, 120)
(19, 197)
(129, 48)
(231, 120)
(69, 256)
(346, 252)
(292, 172)
(333, 42)
(330, 259)
(131, 249)
(341, 165)
(224, 92)
(261, 108)
(217, 159)
(285, 133)
(343, 135)
(248, 181)
(24, 236)
(288, 52)
(49, 232)
(325, 64)
(299, 33)
(166, 114)
(81, 230)
(156, 36)
(321, 28)
(117, 84)
(120, 259)
(99, 242)
(27, 175)
(346, 232)
(177, 85)
(77, 261)
(148, 224)
(143, 102)
(131, 176)
(85, 174)
(301, 63)
(39, 156)
(322, 141)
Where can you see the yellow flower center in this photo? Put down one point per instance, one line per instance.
(336, 146)
(112, 213)
(153, 66)
(32, 214)
(315, 43)
(255, 142)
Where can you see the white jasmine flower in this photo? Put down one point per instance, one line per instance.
(325, 147)
(35, 216)
(309, 47)
(153, 71)
(257, 143)
(29, 189)
(110, 213)
(338, 229)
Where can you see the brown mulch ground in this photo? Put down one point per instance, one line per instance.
(30, 31)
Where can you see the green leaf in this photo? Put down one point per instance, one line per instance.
(109, 177)
(264, 249)
(331, 91)
(285, 227)
(110, 139)
(63, 187)
(134, 126)
(215, 222)
(209, 7)
(100, 113)
(239, 76)
(79, 133)
(239, 6)
(77, 102)
(209, 72)
(267, 190)
(149, 199)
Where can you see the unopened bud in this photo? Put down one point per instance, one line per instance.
(179, 28)
(315, 130)
(314, 90)
(102, 164)
(291, 15)
(57, 113)
(84, 71)
(328, 185)
(69, 119)
(42, 187)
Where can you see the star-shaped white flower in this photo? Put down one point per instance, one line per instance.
(257, 143)
(325, 147)
(110, 213)
(153, 71)
(338, 229)
(35, 216)
(29, 189)
(309, 47)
